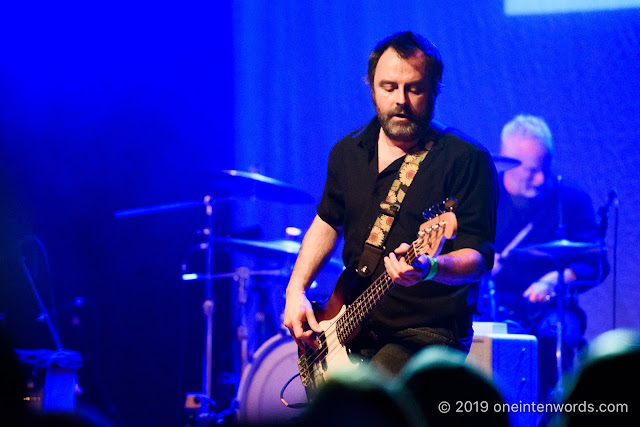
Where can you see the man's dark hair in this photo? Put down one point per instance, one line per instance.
(406, 44)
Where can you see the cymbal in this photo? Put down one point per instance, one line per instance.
(560, 249)
(145, 210)
(505, 163)
(236, 185)
(283, 246)
(252, 185)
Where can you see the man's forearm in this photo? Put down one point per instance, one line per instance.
(460, 267)
(317, 246)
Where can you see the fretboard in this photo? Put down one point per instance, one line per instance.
(352, 318)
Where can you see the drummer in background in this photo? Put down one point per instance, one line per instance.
(535, 206)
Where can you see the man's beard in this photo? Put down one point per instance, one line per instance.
(411, 129)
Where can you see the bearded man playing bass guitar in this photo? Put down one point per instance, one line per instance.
(435, 301)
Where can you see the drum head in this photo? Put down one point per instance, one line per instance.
(275, 363)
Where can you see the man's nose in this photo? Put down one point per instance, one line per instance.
(538, 179)
(400, 97)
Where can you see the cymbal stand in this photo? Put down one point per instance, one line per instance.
(491, 289)
(560, 295)
(560, 290)
(204, 399)
(208, 308)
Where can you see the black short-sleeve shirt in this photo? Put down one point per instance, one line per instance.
(455, 167)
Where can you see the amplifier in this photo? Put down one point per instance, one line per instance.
(511, 362)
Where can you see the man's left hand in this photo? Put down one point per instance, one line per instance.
(400, 272)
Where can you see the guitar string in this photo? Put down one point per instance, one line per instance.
(330, 350)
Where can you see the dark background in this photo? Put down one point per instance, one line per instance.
(118, 105)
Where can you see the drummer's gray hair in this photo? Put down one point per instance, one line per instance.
(531, 127)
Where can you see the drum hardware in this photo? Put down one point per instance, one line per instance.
(248, 185)
(241, 276)
(491, 290)
(603, 213)
(503, 163)
(241, 185)
(229, 185)
(273, 248)
(562, 250)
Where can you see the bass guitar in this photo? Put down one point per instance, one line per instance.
(341, 322)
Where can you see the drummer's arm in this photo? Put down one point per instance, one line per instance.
(317, 246)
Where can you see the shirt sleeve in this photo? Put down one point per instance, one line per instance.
(332, 205)
(474, 184)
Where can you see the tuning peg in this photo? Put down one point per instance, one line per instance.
(429, 213)
(450, 204)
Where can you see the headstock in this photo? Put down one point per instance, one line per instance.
(441, 225)
(448, 205)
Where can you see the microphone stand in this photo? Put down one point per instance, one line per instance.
(44, 313)
(612, 199)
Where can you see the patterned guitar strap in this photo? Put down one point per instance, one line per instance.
(388, 211)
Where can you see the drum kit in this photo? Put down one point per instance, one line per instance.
(276, 357)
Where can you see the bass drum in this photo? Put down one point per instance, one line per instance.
(274, 363)
(574, 324)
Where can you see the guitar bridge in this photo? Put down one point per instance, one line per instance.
(305, 373)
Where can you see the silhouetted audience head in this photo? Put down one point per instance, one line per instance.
(361, 396)
(438, 378)
(63, 419)
(603, 388)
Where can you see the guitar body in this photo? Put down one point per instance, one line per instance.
(327, 313)
(347, 288)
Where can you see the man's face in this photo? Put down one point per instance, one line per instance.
(402, 95)
(532, 178)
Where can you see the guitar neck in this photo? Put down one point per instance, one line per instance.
(355, 314)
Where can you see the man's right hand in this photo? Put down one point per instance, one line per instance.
(300, 319)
